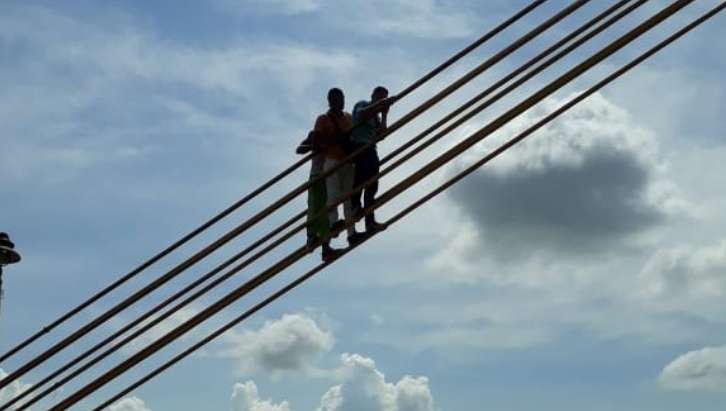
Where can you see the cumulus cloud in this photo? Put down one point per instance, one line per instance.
(365, 389)
(246, 398)
(291, 343)
(701, 370)
(129, 404)
(590, 181)
(12, 390)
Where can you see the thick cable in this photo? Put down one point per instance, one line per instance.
(100, 294)
(522, 68)
(217, 282)
(264, 213)
(408, 182)
(136, 271)
(414, 206)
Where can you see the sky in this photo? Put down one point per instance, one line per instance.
(583, 269)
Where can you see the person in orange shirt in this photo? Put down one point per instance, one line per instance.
(332, 130)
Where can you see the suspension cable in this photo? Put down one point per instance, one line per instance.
(270, 209)
(408, 182)
(217, 282)
(136, 271)
(417, 204)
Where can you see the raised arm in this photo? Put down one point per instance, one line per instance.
(381, 106)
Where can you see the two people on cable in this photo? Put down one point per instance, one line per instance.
(336, 135)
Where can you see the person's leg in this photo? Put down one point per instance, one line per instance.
(357, 181)
(347, 176)
(332, 185)
(370, 169)
(318, 223)
(369, 196)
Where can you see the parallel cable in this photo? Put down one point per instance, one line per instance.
(264, 213)
(217, 282)
(522, 68)
(417, 204)
(100, 294)
(405, 184)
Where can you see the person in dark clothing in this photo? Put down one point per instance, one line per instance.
(370, 119)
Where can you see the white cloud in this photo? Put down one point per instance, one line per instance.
(588, 182)
(246, 398)
(12, 390)
(291, 343)
(701, 370)
(129, 404)
(687, 271)
(365, 388)
(688, 278)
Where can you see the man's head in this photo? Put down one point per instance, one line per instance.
(336, 99)
(379, 93)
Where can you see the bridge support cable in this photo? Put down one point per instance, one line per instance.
(415, 205)
(228, 275)
(527, 66)
(278, 204)
(136, 271)
(408, 182)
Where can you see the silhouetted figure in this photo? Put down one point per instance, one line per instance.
(8, 255)
(332, 130)
(371, 120)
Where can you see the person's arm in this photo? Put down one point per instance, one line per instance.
(368, 112)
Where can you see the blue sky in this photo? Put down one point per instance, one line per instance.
(585, 269)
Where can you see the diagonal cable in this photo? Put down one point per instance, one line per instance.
(262, 214)
(411, 208)
(244, 226)
(151, 261)
(408, 182)
(228, 275)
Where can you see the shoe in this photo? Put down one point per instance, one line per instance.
(337, 227)
(375, 227)
(356, 238)
(329, 254)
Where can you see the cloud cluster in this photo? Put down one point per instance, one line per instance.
(291, 343)
(585, 183)
(365, 388)
(246, 398)
(701, 370)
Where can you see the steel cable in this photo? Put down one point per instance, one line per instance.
(217, 282)
(253, 220)
(412, 207)
(440, 161)
(136, 271)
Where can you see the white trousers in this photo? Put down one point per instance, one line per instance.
(338, 184)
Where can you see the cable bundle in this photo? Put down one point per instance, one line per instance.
(528, 70)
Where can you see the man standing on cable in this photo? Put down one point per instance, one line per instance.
(333, 132)
(370, 119)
